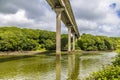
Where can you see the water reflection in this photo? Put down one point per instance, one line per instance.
(42, 67)
(58, 67)
(73, 67)
(77, 67)
(69, 67)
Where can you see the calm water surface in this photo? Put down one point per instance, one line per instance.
(49, 67)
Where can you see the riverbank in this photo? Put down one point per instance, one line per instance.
(96, 51)
(47, 52)
(13, 53)
(21, 53)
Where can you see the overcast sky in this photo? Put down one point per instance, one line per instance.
(98, 17)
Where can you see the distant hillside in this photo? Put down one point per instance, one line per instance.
(15, 39)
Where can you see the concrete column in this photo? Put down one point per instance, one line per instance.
(76, 39)
(73, 42)
(69, 38)
(58, 29)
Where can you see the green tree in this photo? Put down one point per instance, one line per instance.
(91, 43)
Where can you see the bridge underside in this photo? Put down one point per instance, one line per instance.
(64, 13)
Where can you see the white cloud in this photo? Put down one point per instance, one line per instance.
(86, 25)
(96, 16)
(92, 16)
(106, 28)
(18, 17)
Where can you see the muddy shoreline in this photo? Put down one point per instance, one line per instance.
(21, 53)
(43, 52)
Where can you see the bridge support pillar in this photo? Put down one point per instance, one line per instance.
(73, 42)
(69, 38)
(58, 30)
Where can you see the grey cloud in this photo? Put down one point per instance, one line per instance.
(7, 7)
(99, 12)
(87, 9)
(35, 9)
(90, 13)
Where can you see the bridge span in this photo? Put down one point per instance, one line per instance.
(65, 14)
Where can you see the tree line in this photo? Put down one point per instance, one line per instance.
(16, 39)
(89, 42)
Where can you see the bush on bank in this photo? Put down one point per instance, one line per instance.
(111, 72)
(108, 73)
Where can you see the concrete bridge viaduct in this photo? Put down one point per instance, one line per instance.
(65, 14)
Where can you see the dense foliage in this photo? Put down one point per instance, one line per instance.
(118, 45)
(108, 73)
(111, 72)
(89, 42)
(15, 39)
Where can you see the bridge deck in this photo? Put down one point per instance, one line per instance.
(67, 14)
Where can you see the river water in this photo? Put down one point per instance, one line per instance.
(49, 67)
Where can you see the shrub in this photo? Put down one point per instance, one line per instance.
(108, 73)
